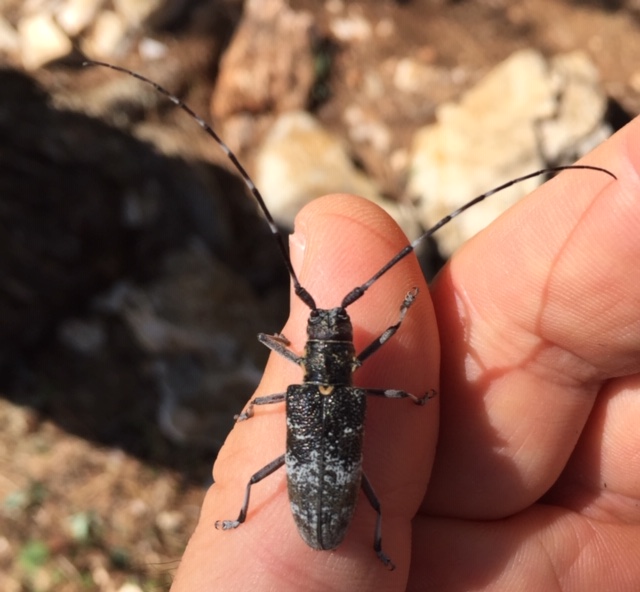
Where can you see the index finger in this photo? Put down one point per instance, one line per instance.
(341, 241)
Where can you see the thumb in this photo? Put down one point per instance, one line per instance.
(340, 242)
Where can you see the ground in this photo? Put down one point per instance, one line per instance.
(92, 495)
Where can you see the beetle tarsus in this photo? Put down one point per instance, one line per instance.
(430, 394)
(227, 524)
(390, 565)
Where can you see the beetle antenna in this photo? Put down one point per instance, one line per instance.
(357, 292)
(300, 291)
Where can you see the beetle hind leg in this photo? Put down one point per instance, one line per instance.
(377, 536)
(265, 471)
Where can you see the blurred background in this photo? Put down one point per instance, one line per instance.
(136, 271)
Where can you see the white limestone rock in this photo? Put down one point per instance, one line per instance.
(300, 161)
(41, 40)
(526, 113)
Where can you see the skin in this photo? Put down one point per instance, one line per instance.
(535, 481)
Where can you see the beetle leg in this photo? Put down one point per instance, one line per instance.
(265, 471)
(376, 344)
(377, 536)
(397, 394)
(278, 344)
(267, 400)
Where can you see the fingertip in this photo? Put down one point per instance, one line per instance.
(334, 229)
(340, 242)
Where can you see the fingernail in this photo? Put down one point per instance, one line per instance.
(297, 246)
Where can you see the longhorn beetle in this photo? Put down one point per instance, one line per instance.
(325, 414)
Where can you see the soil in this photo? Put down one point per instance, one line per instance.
(92, 494)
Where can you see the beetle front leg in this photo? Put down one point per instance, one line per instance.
(265, 471)
(266, 400)
(397, 394)
(376, 344)
(278, 344)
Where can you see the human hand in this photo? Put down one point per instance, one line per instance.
(535, 481)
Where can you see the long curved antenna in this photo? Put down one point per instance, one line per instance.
(300, 291)
(357, 292)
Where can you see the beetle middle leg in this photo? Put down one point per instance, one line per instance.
(377, 536)
(266, 400)
(376, 344)
(265, 471)
(398, 394)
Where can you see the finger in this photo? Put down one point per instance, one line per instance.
(544, 548)
(535, 314)
(340, 242)
(602, 478)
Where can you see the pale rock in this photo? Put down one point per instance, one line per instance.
(525, 113)
(364, 128)
(352, 28)
(416, 77)
(138, 508)
(270, 65)
(411, 76)
(170, 520)
(239, 132)
(299, 161)
(577, 126)
(152, 49)
(129, 587)
(135, 12)
(76, 15)
(106, 39)
(41, 41)
(9, 38)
